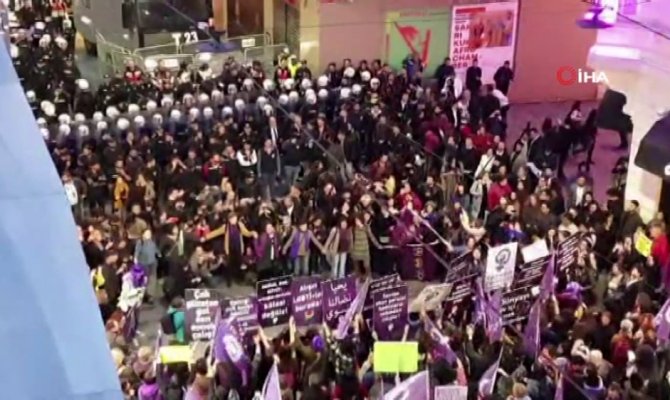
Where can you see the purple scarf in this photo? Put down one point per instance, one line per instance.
(301, 239)
(261, 246)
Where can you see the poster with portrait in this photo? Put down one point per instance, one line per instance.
(486, 32)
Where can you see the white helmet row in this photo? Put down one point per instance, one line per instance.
(322, 82)
(269, 85)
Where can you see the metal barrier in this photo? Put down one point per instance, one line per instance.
(113, 58)
(153, 51)
(267, 55)
(239, 43)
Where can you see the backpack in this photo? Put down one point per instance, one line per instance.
(167, 324)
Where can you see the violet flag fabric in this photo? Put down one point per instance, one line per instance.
(480, 303)
(488, 381)
(662, 321)
(492, 311)
(547, 284)
(441, 342)
(271, 388)
(227, 346)
(558, 395)
(414, 388)
(531, 334)
(355, 307)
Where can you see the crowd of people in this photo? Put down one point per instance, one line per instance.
(196, 178)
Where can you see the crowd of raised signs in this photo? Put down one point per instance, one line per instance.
(330, 194)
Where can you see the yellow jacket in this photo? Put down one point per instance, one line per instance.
(121, 190)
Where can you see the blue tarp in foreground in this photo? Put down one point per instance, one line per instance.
(52, 343)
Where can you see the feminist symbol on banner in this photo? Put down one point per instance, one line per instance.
(502, 258)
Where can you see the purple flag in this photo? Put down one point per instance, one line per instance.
(531, 334)
(390, 312)
(488, 381)
(547, 285)
(451, 392)
(227, 346)
(355, 307)
(442, 348)
(492, 311)
(271, 388)
(306, 301)
(480, 303)
(245, 312)
(415, 388)
(558, 395)
(662, 321)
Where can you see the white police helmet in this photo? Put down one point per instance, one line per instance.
(167, 102)
(188, 99)
(151, 105)
(365, 76)
(139, 121)
(83, 84)
(268, 109)
(356, 89)
(79, 118)
(41, 122)
(261, 101)
(344, 93)
(101, 126)
(322, 81)
(45, 133)
(157, 119)
(133, 109)
(310, 92)
(208, 112)
(349, 72)
(239, 104)
(64, 119)
(122, 124)
(374, 83)
(323, 94)
(98, 116)
(227, 111)
(217, 95)
(293, 96)
(289, 84)
(112, 112)
(83, 130)
(232, 89)
(248, 84)
(175, 115)
(203, 98)
(269, 85)
(64, 130)
(310, 98)
(306, 84)
(283, 99)
(30, 95)
(194, 112)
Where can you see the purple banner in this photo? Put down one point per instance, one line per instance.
(461, 266)
(337, 296)
(274, 301)
(377, 285)
(306, 299)
(530, 273)
(567, 252)
(390, 312)
(245, 312)
(202, 305)
(417, 263)
(516, 304)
